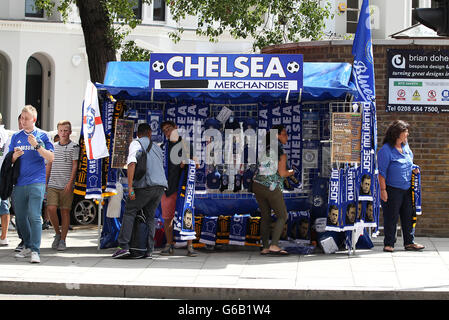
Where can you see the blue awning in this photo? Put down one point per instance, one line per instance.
(322, 81)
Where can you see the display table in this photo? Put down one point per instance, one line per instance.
(229, 203)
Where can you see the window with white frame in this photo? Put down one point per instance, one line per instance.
(352, 15)
(32, 11)
(137, 8)
(159, 10)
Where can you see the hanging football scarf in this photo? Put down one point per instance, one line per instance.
(416, 190)
(208, 231)
(93, 179)
(110, 112)
(110, 175)
(223, 229)
(376, 204)
(237, 229)
(357, 193)
(201, 115)
(198, 225)
(367, 156)
(81, 172)
(94, 136)
(185, 221)
(296, 146)
(253, 232)
(350, 210)
(333, 208)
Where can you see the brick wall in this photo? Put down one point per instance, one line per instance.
(429, 133)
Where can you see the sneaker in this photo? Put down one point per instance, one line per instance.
(4, 242)
(45, 225)
(56, 240)
(11, 226)
(191, 252)
(168, 250)
(25, 252)
(19, 247)
(62, 246)
(121, 253)
(35, 257)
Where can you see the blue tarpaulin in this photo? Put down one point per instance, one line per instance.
(322, 81)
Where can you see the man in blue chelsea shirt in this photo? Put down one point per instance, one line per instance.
(32, 146)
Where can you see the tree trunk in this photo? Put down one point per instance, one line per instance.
(99, 48)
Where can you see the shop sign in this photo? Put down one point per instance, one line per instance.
(226, 72)
(418, 81)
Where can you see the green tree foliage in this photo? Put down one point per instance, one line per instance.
(131, 52)
(268, 22)
(106, 23)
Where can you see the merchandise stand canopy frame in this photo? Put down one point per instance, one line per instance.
(322, 83)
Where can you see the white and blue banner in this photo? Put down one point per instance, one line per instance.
(362, 50)
(93, 130)
(363, 77)
(226, 72)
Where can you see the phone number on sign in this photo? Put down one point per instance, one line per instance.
(413, 109)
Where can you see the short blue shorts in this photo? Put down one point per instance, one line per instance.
(4, 207)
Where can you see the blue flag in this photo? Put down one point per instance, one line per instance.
(362, 50)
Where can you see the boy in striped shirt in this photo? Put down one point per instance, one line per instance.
(60, 176)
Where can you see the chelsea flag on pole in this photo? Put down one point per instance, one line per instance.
(94, 137)
(362, 50)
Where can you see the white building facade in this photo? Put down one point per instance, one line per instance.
(43, 61)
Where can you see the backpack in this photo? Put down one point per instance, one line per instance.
(141, 165)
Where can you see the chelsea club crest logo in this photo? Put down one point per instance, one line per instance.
(317, 201)
(369, 52)
(90, 122)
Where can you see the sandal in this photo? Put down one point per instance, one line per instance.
(414, 247)
(264, 253)
(279, 253)
(388, 249)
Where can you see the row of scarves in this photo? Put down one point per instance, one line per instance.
(354, 192)
(244, 230)
(239, 229)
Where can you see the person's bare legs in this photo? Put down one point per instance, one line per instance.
(5, 223)
(53, 215)
(65, 217)
(168, 229)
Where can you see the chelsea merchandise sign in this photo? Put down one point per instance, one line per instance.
(224, 73)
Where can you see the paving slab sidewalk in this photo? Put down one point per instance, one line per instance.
(235, 273)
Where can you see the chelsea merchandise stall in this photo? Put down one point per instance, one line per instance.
(223, 104)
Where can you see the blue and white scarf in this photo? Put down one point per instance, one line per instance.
(416, 190)
(333, 224)
(237, 232)
(111, 113)
(350, 205)
(184, 211)
(367, 153)
(209, 230)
